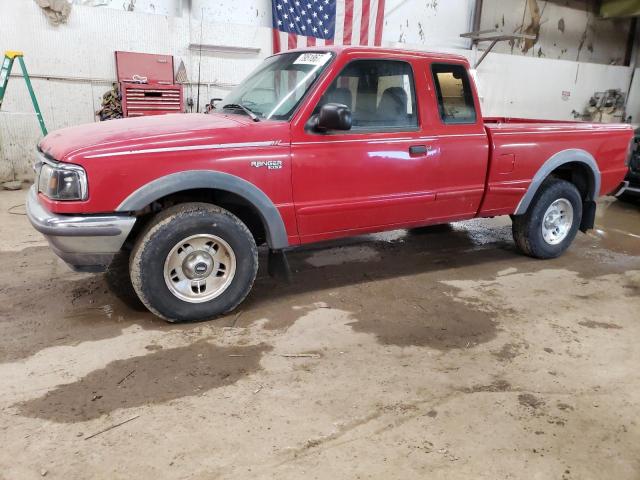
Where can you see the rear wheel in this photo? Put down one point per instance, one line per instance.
(551, 223)
(194, 261)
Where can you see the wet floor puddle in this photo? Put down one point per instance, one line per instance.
(438, 321)
(157, 377)
(618, 227)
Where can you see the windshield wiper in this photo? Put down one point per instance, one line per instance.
(238, 106)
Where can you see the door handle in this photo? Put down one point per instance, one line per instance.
(419, 149)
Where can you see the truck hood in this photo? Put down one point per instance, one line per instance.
(74, 144)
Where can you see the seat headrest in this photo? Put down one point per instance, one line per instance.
(393, 102)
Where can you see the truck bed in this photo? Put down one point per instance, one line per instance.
(519, 147)
(511, 120)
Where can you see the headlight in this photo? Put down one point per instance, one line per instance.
(60, 181)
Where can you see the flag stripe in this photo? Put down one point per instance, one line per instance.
(311, 41)
(292, 41)
(276, 40)
(355, 24)
(339, 25)
(379, 23)
(373, 12)
(364, 23)
(348, 22)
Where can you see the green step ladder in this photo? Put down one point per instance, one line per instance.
(7, 64)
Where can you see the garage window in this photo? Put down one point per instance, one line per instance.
(455, 97)
(380, 94)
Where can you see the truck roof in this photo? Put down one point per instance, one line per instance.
(339, 49)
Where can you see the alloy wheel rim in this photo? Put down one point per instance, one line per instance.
(557, 221)
(199, 268)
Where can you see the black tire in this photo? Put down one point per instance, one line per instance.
(118, 280)
(527, 228)
(169, 228)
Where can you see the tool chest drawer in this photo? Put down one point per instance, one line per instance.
(141, 100)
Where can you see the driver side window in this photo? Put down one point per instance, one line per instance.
(379, 93)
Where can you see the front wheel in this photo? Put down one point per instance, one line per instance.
(551, 222)
(119, 281)
(195, 261)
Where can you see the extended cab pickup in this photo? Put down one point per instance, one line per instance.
(315, 144)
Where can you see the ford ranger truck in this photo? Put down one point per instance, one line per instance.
(315, 144)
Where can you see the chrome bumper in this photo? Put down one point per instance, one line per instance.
(87, 243)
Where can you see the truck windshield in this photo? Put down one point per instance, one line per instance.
(277, 86)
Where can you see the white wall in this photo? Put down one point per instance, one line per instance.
(81, 51)
(633, 106)
(245, 12)
(515, 85)
(434, 24)
(526, 87)
(569, 30)
(159, 7)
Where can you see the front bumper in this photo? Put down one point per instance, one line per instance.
(86, 243)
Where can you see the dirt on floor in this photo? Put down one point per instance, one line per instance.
(441, 353)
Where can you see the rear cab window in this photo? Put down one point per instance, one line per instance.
(454, 94)
(379, 93)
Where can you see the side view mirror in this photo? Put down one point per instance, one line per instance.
(334, 116)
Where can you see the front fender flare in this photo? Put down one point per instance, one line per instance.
(208, 179)
(555, 161)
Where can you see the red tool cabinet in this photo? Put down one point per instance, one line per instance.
(147, 85)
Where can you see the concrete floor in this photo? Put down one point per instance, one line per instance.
(438, 355)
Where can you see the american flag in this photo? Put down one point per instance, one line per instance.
(307, 23)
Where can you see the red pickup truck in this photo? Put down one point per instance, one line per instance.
(315, 144)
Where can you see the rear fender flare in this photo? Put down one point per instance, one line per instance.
(557, 160)
(207, 179)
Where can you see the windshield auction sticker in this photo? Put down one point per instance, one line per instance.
(316, 59)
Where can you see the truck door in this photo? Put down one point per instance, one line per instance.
(378, 174)
(454, 118)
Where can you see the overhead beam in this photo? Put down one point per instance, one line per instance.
(224, 49)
